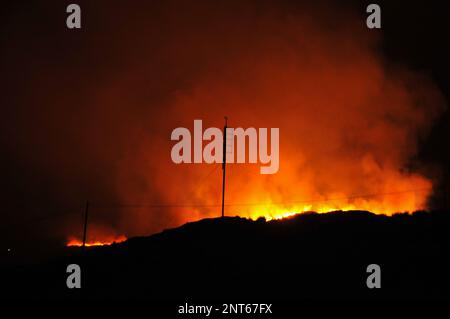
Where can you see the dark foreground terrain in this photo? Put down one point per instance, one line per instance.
(309, 256)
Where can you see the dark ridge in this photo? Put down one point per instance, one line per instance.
(307, 256)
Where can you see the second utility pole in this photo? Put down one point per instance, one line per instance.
(224, 164)
(85, 224)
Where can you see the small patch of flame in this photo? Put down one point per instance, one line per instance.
(74, 242)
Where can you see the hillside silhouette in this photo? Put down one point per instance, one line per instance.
(308, 256)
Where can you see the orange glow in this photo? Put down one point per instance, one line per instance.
(74, 242)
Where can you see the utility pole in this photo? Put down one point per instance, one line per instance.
(85, 223)
(224, 155)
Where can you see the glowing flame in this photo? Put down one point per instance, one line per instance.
(277, 213)
(387, 203)
(74, 242)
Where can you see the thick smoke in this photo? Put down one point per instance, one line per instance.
(89, 114)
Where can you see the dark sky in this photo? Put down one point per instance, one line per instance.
(416, 33)
(63, 134)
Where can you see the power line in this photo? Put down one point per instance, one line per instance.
(262, 204)
(40, 219)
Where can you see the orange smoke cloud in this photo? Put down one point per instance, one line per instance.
(349, 124)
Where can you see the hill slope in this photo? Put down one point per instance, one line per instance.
(308, 256)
